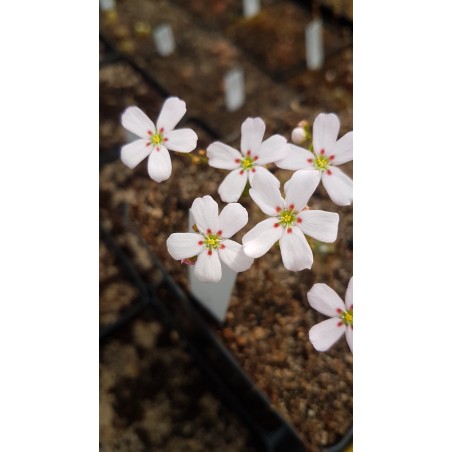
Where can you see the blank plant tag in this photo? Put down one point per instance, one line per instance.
(251, 7)
(164, 40)
(314, 44)
(107, 5)
(215, 297)
(234, 89)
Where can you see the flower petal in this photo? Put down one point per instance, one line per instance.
(232, 218)
(325, 300)
(300, 187)
(265, 193)
(349, 294)
(260, 169)
(208, 267)
(205, 214)
(159, 164)
(261, 238)
(136, 121)
(295, 251)
(320, 225)
(135, 152)
(338, 185)
(181, 140)
(297, 158)
(272, 149)
(349, 337)
(326, 333)
(233, 256)
(343, 149)
(172, 112)
(325, 130)
(182, 245)
(222, 156)
(252, 134)
(233, 185)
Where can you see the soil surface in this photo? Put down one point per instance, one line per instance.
(269, 317)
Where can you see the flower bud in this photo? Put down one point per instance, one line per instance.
(298, 135)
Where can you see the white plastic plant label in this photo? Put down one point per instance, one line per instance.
(164, 40)
(251, 7)
(107, 5)
(234, 89)
(215, 297)
(314, 44)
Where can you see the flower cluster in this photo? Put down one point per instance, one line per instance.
(289, 217)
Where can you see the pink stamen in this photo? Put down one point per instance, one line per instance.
(158, 149)
(248, 152)
(339, 311)
(253, 170)
(292, 206)
(237, 160)
(310, 160)
(222, 247)
(289, 231)
(165, 139)
(209, 252)
(329, 172)
(331, 157)
(149, 132)
(148, 143)
(200, 242)
(322, 152)
(299, 220)
(339, 324)
(256, 157)
(219, 232)
(209, 231)
(276, 225)
(161, 130)
(278, 209)
(241, 172)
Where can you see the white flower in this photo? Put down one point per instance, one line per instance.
(326, 155)
(289, 220)
(325, 300)
(155, 141)
(245, 165)
(212, 242)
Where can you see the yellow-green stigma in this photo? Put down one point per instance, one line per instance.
(247, 163)
(347, 317)
(287, 218)
(321, 162)
(212, 241)
(156, 139)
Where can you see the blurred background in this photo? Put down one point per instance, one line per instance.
(284, 61)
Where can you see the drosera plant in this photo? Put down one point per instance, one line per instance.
(327, 152)
(244, 165)
(289, 218)
(155, 140)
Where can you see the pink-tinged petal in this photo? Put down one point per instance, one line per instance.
(222, 156)
(349, 337)
(233, 185)
(265, 193)
(231, 253)
(319, 224)
(261, 238)
(181, 140)
(343, 149)
(205, 214)
(338, 186)
(325, 300)
(261, 169)
(325, 334)
(208, 267)
(172, 112)
(252, 134)
(135, 152)
(297, 158)
(183, 245)
(325, 130)
(136, 121)
(272, 149)
(349, 294)
(300, 188)
(295, 251)
(159, 164)
(232, 218)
